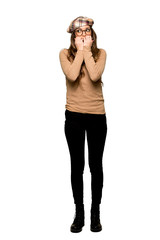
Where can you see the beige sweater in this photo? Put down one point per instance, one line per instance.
(85, 96)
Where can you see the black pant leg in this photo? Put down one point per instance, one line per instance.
(75, 136)
(96, 136)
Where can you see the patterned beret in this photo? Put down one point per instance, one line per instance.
(79, 22)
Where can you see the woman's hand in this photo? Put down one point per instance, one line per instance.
(79, 43)
(88, 41)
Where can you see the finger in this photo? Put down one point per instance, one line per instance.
(88, 37)
(77, 38)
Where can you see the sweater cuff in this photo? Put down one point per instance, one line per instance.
(87, 53)
(79, 54)
(79, 51)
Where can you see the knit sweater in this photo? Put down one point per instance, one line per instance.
(85, 95)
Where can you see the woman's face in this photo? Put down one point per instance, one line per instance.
(82, 32)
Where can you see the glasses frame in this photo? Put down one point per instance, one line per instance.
(83, 31)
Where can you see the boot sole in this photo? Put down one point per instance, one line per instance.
(95, 230)
(76, 231)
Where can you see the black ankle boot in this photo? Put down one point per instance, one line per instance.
(95, 219)
(78, 222)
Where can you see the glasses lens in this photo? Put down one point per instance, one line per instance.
(88, 31)
(79, 32)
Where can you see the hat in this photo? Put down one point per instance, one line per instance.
(79, 22)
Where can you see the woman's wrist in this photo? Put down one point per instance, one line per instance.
(87, 48)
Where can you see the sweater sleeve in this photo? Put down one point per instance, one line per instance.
(71, 70)
(95, 69)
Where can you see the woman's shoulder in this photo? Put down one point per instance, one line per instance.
(103, 51)
(63, 54)
(103, 54)
(64, 51)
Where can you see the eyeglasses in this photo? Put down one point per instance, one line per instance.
(79, 32)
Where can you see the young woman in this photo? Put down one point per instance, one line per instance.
(83, 64)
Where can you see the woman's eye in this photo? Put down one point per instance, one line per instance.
(87, 30)
(78, 30)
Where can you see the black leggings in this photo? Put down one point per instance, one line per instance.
(95, 126)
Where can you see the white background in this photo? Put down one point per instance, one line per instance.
(35, 193)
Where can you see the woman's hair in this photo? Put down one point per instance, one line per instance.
(72, 51)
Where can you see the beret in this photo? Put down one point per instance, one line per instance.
(79, 22)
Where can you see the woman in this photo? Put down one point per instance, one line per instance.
(83, 64)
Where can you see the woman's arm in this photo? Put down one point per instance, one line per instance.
(71, 70)
(95, 69)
